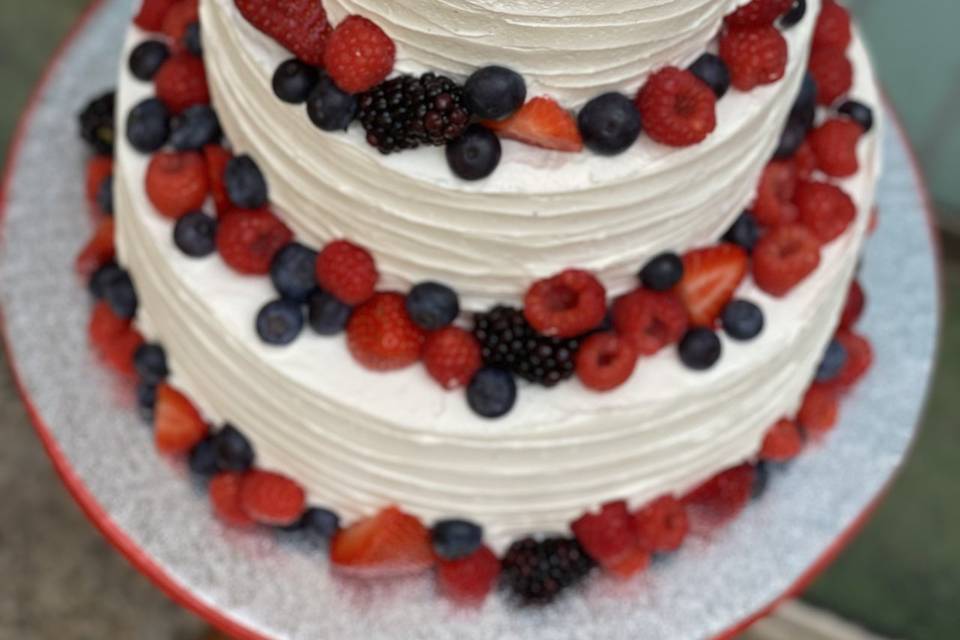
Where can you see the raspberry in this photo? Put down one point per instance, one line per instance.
(650, 320)
(272, 499)
(773, 205)
(820, 409)
(565, 305)
(99, 168)
(677, 108)
(833, 73)
(347, 272)
(182, 82)
(859, 359)
(662, 525)
(217, 158)
(150, 16)
(249, 240)
(805, 161)
(451, 356)
(726, 493)
(825, 209)
(755, 56)
(633, 563)
(833, 27)
(225, 497)
(783, 442)
(607, 536)
(784, 257)
(381, 336)
(606, 361)
(758, 13)
(180, 16)
(98, 251)
(854, 306)
(299, 25)
(177, 182)
(177, 425)
(835, 145)
(359, 55)
(469, 580)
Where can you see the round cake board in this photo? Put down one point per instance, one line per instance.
(265, 584)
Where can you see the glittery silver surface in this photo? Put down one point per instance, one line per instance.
(278, 585)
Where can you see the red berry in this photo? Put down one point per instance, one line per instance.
(388, 544)
(248, 240)
(225, 497)
(381, 336)
(347, 271)
(469, 580)
(177, 182)
(758, 13)
(607, 536)
(710, 277)
(835, 145)
(727, 492)
(773, 205)
(833, 73)
(271, 499)
(180, 16)
(299, 25)
(150, 16)
(633, 563)
(177, 425)
(859, 359)
(754, 55)
(783, 442)
(820, 409)
(854, 306)
(541, 122)
(118, 355)
(605, 361)
(805, 160)
(833, 27)
(784, 257)
(99, 168)
(105, 326)
(451, 356)
(98, 251)
(565, 305)
(662, 525)
(650, 320)
(181, 82)
(825, 209)
(217, 158)
(359, 55)
(677, 107)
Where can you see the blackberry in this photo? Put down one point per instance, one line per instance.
(536, 572)
(407, 111)
(507, 340)
(97, 125)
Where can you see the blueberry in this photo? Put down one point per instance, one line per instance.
(150, 362)
(610, 124)
(195, 127)
(279, 322)
(663, 272)
(328, 315)
(195, 234)
(700, 349)
(203, 458)
(433, 305)
(147, 58)
(148, 126)
(233, 451)
(294, 80)
(120, 294)
(98, 123)
(492, 392)
(105, 196)
(742, 320)
(805, 106)
(294, 272)
(832, 362)
(494, 93)
(146, 400)
(859, 113)
(794, 15)
(790, 140)
(245, 184)
(745, 232)
(761, 479)
(329, 108)
(476, 154)
(321, 522)
(192, 40)
(102, 278)
(714, 72)
(455, 539)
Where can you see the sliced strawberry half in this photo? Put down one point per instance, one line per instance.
(98, 251)
(178, 426)
(469, 580)
(389, 544)
(272, 499)
(710, 278)
(541, 122)
(225, 497)
(217, 159)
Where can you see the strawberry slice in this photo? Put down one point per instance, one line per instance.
(272, 499)
(634, 562)
(105, 326)
(710, 278)
(98, 251)
(225, 498)
(151, 14)
(541, 122)
(217, 159)
(178, 426)
(118, 354)
(390, 543)
(469, 580)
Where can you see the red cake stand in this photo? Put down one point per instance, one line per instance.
(276, 585)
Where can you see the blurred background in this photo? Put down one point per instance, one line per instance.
(899, 579)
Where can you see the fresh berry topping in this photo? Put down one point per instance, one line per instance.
(279, 322)
(248, 240)
(195, 234)
(793, 136)
(858, 112)
(606, 536)
(784, 257)
(180, 16)
(195, 128)
(321, 522)
(455, 539)
(326, 314)
(755, 55)
(859, 359)
(820, 409)
(794, 15)
(773, 205)
(202, 460)
(98, 124)
(833, 73)
(232, 450)
(609, 124)
(713, 71)
(565, 305)
(359, 55)
(835, 144)
(347, 271)
(677, 108)
(537, 571)
(433, 305)
(390, 543)
(99, 251)
(663, 272)
(834, 358)
(745, 232)
(833, 28)
(474, 155)
(854, 306)
(102, 278)
(542, 122)
(381, 336)
(637, 561)
(805, 162)
(294, 80)
(782, 443)
(329, 108)
(606, 361)
(105, 326)
(151, 13)
(217, 160)
(650, 320)
(805, 106)
(245, 184)
(469, 580)
(492, 393)
(271, 499)
(146, 59)
(181, 82)
(700, 349)
(104, 199)
(148, 126)
(177, 183)
(825, 209)
(452, 357)
(742, 320)
(495, 93)
(299, 25)
(225, 498)
(150, 362)
(726, 493)
(661, 526)
(121, 296)
(99, 168)
(115, 347)
(192, 40)
(293, 272)
(178, 426)
(758, 13)
(711, 276)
